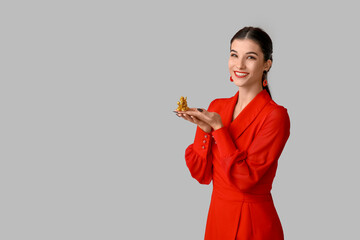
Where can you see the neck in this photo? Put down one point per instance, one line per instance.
(246, 95)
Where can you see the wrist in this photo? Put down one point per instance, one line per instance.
(205, 128)
(217, 126)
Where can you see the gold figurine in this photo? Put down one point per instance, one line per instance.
(182, 104)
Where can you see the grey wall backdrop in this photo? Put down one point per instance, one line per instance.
(90, 148)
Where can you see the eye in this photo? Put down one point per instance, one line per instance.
(233, 55)
(251, 57)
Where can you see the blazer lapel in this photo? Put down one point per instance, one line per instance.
(227, 109)
(248, 114)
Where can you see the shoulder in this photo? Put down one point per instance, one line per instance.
(276, 109)
(277, 115)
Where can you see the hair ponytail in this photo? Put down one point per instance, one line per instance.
(264, 77)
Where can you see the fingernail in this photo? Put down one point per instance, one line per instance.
(199, 109)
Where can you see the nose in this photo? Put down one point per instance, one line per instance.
(241, 63)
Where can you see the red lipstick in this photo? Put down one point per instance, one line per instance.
(243, 74)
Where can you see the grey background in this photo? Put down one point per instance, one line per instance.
(90, 148)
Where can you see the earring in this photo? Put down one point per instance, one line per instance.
(264, 83)
(231, 80)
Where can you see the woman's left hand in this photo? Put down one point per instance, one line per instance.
(211, 118)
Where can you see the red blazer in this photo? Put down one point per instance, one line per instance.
(241, 159)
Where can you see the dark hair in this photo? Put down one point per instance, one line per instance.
(262, 39)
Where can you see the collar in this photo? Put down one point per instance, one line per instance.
(247, 115)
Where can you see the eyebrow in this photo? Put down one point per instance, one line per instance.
(246, 53)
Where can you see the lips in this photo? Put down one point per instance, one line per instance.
(240, 74)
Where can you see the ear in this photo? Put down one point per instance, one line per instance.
(267, 65)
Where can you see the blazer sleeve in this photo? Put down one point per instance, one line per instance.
(245, 167)
(198, 156)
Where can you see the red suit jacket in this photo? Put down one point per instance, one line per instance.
(241, 159)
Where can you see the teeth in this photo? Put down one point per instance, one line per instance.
(241, 74)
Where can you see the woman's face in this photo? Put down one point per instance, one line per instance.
(246, 63)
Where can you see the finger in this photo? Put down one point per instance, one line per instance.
(185, 117)
(202, 110)
(200, 113)
(206, 116)
(194, 119)
(188, 117)
(193, 112)
(177, 113)
(197, 121)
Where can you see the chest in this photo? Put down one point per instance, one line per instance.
(237, 111)
(247, 136)
(242, 130)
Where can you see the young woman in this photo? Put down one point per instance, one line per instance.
(237, 145)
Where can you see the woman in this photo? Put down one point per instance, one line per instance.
(237, 144)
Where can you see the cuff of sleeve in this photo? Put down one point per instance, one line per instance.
(202, 142)
(224, 141)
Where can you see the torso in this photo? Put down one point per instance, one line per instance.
(237, 111)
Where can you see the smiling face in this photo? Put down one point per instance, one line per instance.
(247, 64)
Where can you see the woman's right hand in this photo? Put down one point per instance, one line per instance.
(201, 124)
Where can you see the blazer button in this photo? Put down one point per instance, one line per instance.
(204, 141)
(206, 136)
(203, 147)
